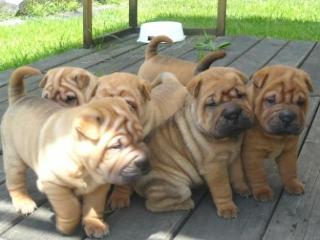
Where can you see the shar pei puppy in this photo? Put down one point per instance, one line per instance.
(200, 144)
(68, 86)
(153, 103)
(279, 98)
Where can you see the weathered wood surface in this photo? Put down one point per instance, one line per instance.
(287, 216)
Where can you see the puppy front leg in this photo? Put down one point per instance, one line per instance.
(93, 211)
(217, 178)
(237, 179)
(65, 205)
(120, 197)
(256, 175)
(287, 164)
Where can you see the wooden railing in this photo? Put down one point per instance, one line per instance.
(88, 40)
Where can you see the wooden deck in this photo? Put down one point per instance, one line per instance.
(286, 217)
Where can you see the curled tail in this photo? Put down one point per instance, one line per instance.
(151, 50)
(16, 86)
(205, 63)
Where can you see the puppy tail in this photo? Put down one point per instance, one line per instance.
(205, 63)
(16, 86)
(152, 49)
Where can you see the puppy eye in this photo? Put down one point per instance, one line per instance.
(132, 105)
(271, 100)
(211, 103)
(116, 145)
(301, 102)
(70, 99)
(241, 95)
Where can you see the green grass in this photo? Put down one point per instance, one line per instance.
(38, 38)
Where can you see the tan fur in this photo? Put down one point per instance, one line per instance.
(68, 86)
(186, 151)
(153, 103)
(156, 63)
(74, 152)
(288, 86)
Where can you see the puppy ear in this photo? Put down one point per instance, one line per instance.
(43, 81)
(82, 80)
(242, 76)
(259, 78)
(307, 80)
(205, 63)
(194, 86)
(309, 83)
(145, 90)
(88, 126)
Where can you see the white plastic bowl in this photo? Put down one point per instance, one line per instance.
(173, 30)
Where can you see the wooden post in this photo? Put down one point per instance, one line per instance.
(87, 23)
(133, 13)
(221, 17)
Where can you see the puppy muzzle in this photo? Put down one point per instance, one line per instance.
(285, 122)
(138, 166)
(232, 122)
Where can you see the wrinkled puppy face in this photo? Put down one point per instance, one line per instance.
(281, 99)
(220, 103)
(110, 142)
(135, 91)
(68, 86)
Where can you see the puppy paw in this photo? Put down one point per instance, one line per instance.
(294, 187)
(263, 194)
(24, 206)
(228, 210)
(95, 227)
(242, 189)
(118, 201)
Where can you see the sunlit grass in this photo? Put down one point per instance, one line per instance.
(42, 37)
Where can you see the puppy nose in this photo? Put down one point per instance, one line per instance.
(232, 112)
(287, 116)
(143, 165)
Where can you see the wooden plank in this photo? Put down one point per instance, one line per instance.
(254, 216)
(298, 217)
(293, 54)
(311, 66)
(87, 23)
(38, 226)
(133, 13)
(258, 56)
(136, 222)
(221, 17)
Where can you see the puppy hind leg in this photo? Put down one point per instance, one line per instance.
(15, 170)
(168, 197)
